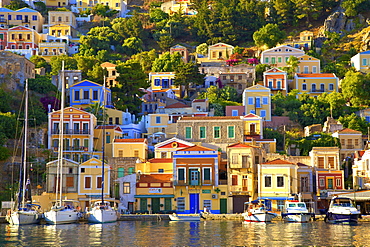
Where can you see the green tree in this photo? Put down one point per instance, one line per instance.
(128, 27)
(98, 110)
(292, 65)
(157, 15)
(39, 62)
(42, 85)
(167, 62)
(127, 93)
(132, 46)
(188, 74)
(103, 11)
(146, 59)
(202, 49)
(308, 9)
(269, 35)
(16, 4)
(355, 88)
(306, 144)
(5, 101)
(355, 122)
(165, 40)
(284, 12)
(57, 61)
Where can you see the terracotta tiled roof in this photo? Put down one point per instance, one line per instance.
(155, 178)
(210, 118)
(159, 160)
(107, 64)
(130, 140)
(251, 115)
(197, 148)
(346, 130)
(239, 145)
(177, 105)
(278, 162)
(317, 75)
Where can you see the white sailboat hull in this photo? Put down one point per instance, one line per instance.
(23, 217)
(259, 217)
(102, 216)
(61, 217)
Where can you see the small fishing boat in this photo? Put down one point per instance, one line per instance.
(185, 217)
(342, 210)
(295, 211)
(258, 211)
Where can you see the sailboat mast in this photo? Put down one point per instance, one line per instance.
(103, 146)
(25, 146)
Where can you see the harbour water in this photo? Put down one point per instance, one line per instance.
(204, 233)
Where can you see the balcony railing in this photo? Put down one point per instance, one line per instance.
(192, 182)
(73, 148)
(252, 133)
(72, 131)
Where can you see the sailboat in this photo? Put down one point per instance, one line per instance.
(62, 211)
(25, 212)
(101, 211)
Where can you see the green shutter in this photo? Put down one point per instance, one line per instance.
(207, 174)
(231, 133)
(181, 175)
(216, 132)
(188, 132)
(121, 172)
(131, 170)
(202, 132)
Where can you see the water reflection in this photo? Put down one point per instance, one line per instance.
(204, 233)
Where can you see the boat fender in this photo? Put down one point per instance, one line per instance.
(249, 213)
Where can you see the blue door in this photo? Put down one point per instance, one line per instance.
(194, 203)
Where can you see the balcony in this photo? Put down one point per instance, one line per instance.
(251, 133)
(72, 148)
(71, 131)
(192, 183)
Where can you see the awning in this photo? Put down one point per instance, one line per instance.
(154, 196)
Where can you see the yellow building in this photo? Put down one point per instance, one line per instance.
(90, 181)
(157, 122)
(308, 64)
(78, 134)
(242, 163)
(350, 141)
(110, 133)
(278, 56)
(112, 74)
(257, 100)
(119, 5)
(155, 166)
(361, 61)
(26, 17)
(182, 6)
(23, 38)
(60, 30)
(130, 148)
(316, 84)
(164, 80)
(220, 51)
(56, 3)
(49, 49)
(62, 17)
(278, 181)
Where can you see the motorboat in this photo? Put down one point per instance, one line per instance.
(342, 210)
(258, 211)
(102, 212)
(295, 211)
(184, 217)
(66, 213)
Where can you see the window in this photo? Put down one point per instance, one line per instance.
(107, 139)
(322, 87)
(121, 172)
(207, 176)
(86, 94)
(216, 132)
(267, 181)
(86, 143)
(270, 83)
(136, 153)
(321, 182)
(279, 59)
(258, 102)
(207, 204)
(286, 59)
(265, 100)
(304, 184)
(77, 95)
(280, 181)
(117, 120)
(313, 86)
(250, 100)
(181, 175)
(304, 86)
(157, 82)
(158, 120)
(202, 132)
(305, 69)
(160, 170)
(95, 95)
(87, 182)
(230, 132)
(263, 113)
(131, 170)
(18, 17)
(314, 69)
(188, 132)
(338, 182)
(234, 113)
(234, 179)
(331, 86)
(82, 170)
(120, 153)
(34, 17)
(364, 60)
(266, 59)
(273, 60)
(278, 86)
(126, 188)
(70, 182)
(181, 204)
(99, 182)
(9, 17)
